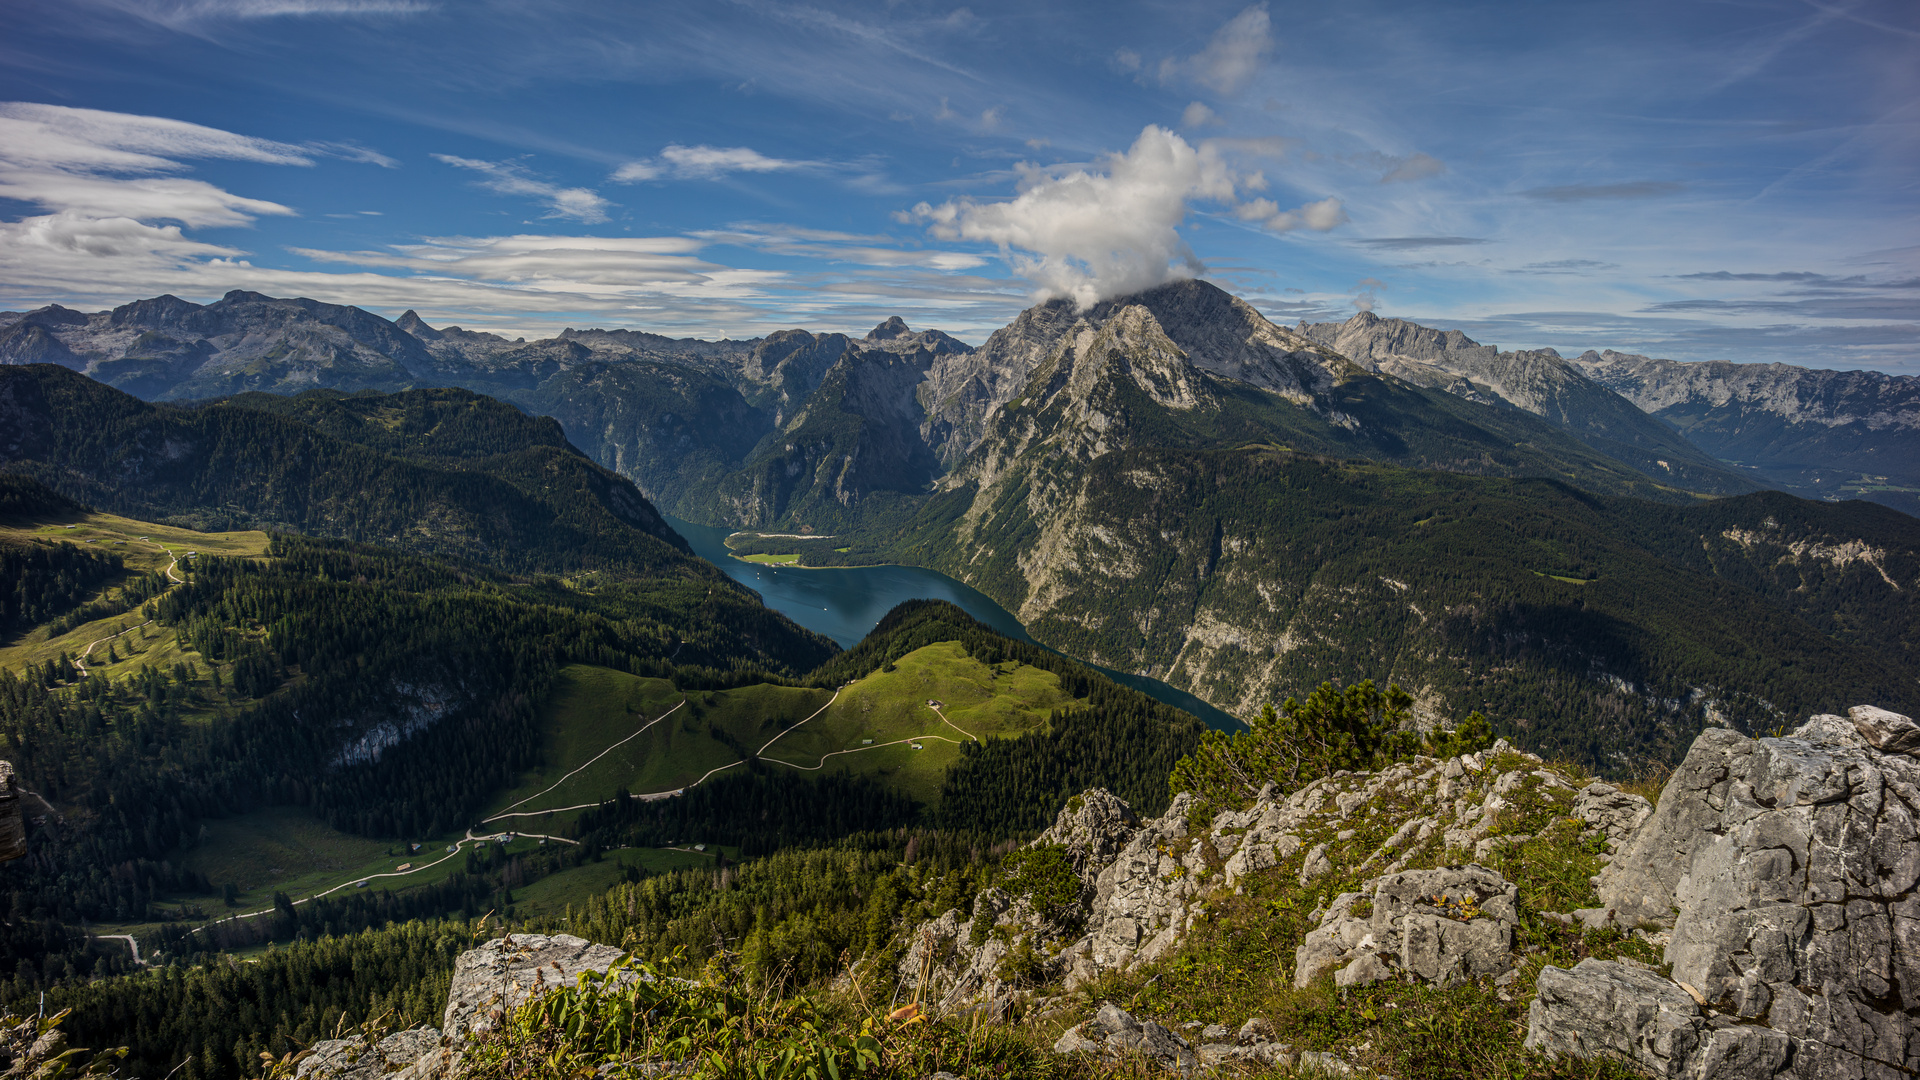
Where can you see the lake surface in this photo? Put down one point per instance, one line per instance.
(845, 603)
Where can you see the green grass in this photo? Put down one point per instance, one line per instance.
(120, 536)
(284, 849)
(983, 701)
(593, 708)
(782, 560)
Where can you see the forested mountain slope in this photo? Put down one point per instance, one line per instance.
(1136, 510)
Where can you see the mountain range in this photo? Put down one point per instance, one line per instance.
(1167, 483)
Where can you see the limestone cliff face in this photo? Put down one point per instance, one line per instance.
(1538, 381)
(1794, 426)
(1786, 868)
(1218, 333)
(856, 436)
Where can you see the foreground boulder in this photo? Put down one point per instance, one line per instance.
(489, 983)
(1115, 1032)
(1443, 926)
(501, 975)
(1786, 869)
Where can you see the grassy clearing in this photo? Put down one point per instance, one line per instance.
(594, 708)
(284, 849)
(121, 536)
(980, 700)
(781, 560)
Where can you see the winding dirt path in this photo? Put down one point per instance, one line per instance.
(79, 662)
(535, 813)
(131, 944)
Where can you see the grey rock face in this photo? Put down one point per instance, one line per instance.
(1094, 828)
(504, 973)
(1786, 869)
(1613, 812)
(353, 1059)
(1146, 882)
(1607, 1008)
(1442, 926)
(1115, 1032)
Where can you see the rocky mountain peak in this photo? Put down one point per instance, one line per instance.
(412, 323)
(894, 327)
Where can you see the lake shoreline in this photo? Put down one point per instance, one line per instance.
(846, 607)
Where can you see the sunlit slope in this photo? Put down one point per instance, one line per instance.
(114, 607)
(607, 731)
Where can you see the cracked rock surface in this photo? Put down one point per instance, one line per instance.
(1145, 882)
(1442, 926)
(505, 973)
(1786, 869)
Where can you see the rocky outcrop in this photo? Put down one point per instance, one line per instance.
(1786, 868)
(353, 1059)
(1114, 1032)
(1443, 926)
(498, 977)
(1423, 911)
(1613, 1008)
(489, 983)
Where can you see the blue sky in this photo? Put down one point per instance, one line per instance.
(1729, 180)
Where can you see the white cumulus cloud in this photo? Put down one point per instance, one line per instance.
(513, 178)
(1198, 115)
(1092, 234)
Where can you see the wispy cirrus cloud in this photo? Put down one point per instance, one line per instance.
(186, 14)
(513, 178)
(704, 163)
(1640, 189)
(1232, 57)
(1415, 243)
(862, 249)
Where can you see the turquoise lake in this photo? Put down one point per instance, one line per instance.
(846, 603)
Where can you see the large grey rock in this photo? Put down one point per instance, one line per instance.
(1115, 1032)
(353, 1059)
(1888, 732)
(498, 977)
(1094, 828)
(1607, 1008)
(1443, 927)
(1786, 869)
(1615, 813)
